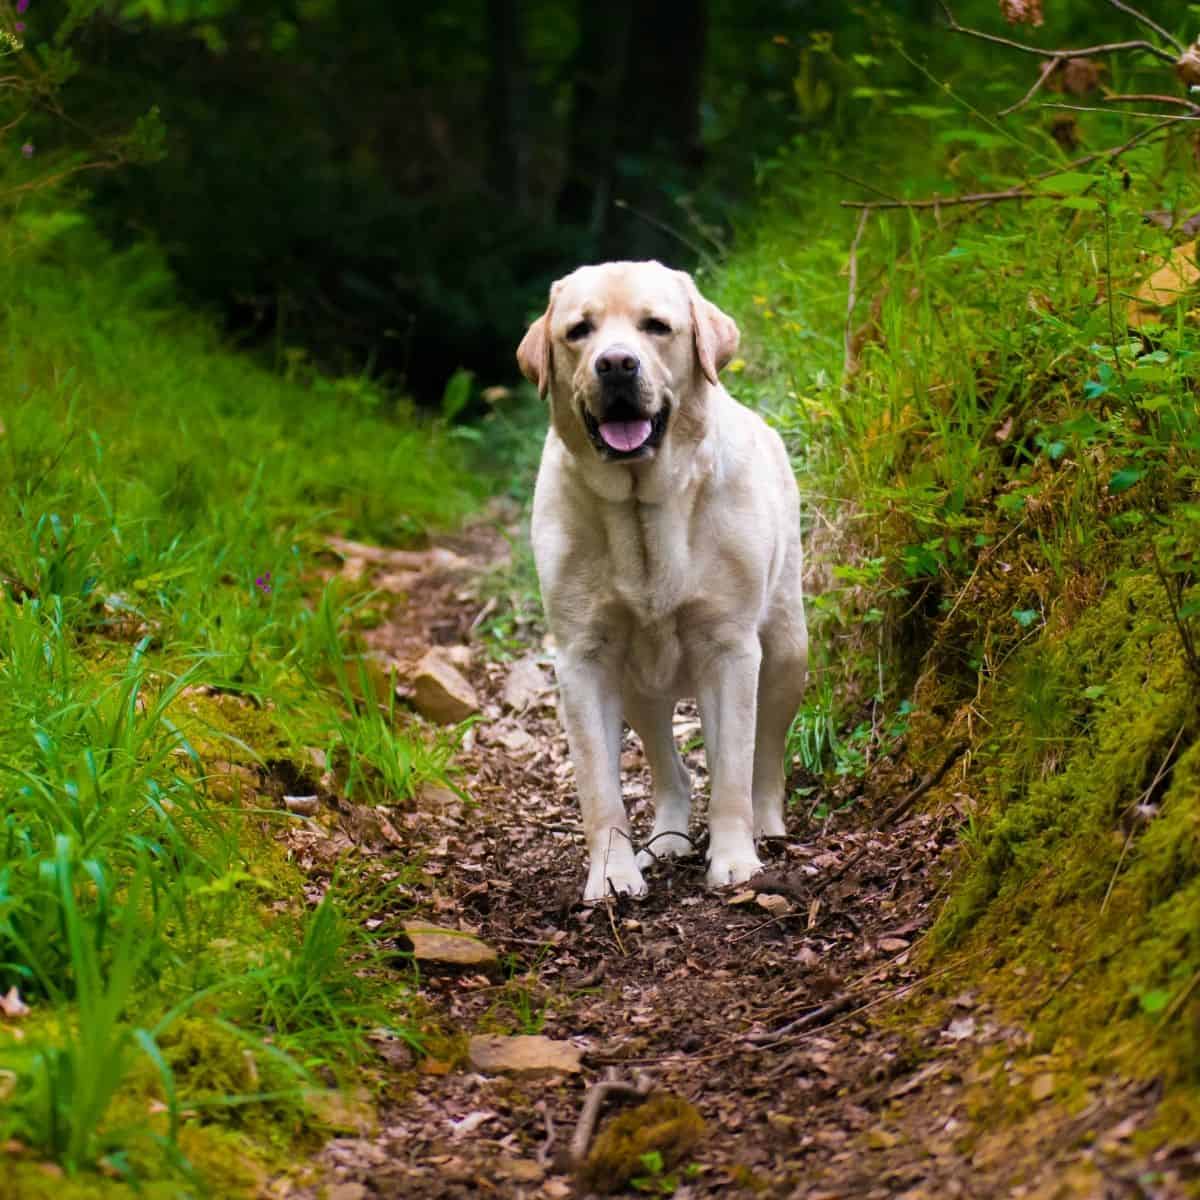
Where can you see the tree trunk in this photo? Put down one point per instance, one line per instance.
(634, 132)
(508, 105)
(658, 145)
(597, 111)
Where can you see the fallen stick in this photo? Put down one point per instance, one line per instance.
(543, 1153)
(602, 1091)
(812, 1020)
(930, 780)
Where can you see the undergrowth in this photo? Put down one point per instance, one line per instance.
(998, 451)
(171, 985)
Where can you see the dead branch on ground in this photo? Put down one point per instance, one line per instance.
(601, 1092)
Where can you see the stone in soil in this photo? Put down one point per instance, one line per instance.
(523, 1054)
(524, 685)
(440, 693)
(449, 947)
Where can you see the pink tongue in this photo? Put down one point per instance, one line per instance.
(625, 435)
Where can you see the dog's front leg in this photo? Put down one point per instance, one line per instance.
(589, 688)
(728, 701)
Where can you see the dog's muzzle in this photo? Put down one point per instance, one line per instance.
(625, 432)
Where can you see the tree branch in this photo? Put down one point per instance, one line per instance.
(1142, 19)
(1014, 193)
(1019, 191)
(851, 298)
(604, 1089)
(1046, 71)
(1084, 52)
(1190, 116)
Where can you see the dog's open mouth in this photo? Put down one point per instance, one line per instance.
(625, 433)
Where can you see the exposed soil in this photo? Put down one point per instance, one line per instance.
(799, 1014)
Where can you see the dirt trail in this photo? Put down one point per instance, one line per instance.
(778, 1010)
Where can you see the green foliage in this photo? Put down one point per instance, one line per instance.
(66, 1086)
(1001, 476)
(161, 506)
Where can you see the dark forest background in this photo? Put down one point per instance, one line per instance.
(390, 187)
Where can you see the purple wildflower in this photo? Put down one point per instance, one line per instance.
(263, 583)
(27, 150)
(22, 5)
(19, 26)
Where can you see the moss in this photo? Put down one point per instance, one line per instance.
(665, 1125)
(1077, 901)
(212, 1065)
(211, 1160)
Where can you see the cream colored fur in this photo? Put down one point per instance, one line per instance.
(675, 575)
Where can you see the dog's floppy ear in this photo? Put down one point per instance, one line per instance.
(715, 333)
(534, 354)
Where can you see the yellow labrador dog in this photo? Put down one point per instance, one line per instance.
(666, 532)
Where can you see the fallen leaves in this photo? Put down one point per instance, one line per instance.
(767, 1025)
(1170, 283)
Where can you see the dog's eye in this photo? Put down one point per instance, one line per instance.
(578, 331)
(655, 326)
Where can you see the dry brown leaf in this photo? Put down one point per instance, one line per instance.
(775, 904)
(1187, 66)
(1171, 282)
(1023, 12)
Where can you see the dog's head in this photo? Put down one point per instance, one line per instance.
(626, 351)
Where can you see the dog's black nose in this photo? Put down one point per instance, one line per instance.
(617, 364)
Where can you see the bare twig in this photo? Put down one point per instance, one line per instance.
(851, 298)
(813, 1020)
(601, 1092)
(1189, 116)
(1043, 74)
(46, 181)
(687, 837)
(543, 1151)
(1164, 766)
(1043, 52)
(1173, 603)
(1142, 19)
(1109, 289)
(862, 183)
(1019, 192)
(1149, 97)
(1013, 193)
(930, 780)
(988, 552)
(1178, 1002)
(483, 614)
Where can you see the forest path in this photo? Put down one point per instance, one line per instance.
(780, 1010)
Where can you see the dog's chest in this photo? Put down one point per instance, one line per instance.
(651, 576)
(650, 559)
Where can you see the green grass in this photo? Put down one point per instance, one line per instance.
(1002, 502)
(162, 504)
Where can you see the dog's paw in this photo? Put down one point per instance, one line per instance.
(604, 878)
(734, 866)
(664, 845)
